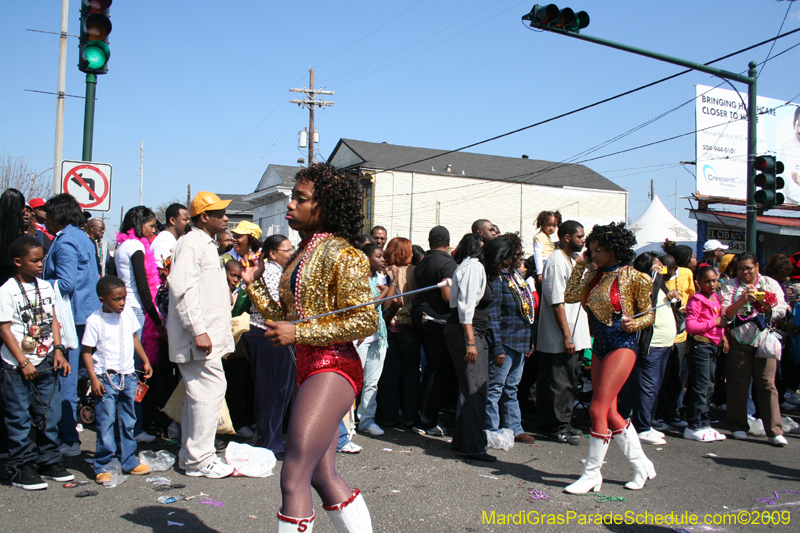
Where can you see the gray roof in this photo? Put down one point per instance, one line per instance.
(237, 205)
(350, 153)
(286, 172)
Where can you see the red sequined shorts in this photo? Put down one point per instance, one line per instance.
(341, 358)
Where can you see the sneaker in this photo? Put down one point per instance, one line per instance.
(102, 477)
(740, 435)
(786, 406)
(140, 470)
(56, 472)
(524, 438)
(435, 431)
(678, 423)
(716, 434)
(791, 397)
(566, 438)
(660, 425)
(213, 470)
(572, 431)
(778, 440)
(144, 437)
(700, 435)
(374, 430)
(71, 450)
(350, 447)
(79, 428)
(649, 437)
(26, 478)
(245, 432)
(657, 433)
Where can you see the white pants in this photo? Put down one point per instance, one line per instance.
(205, 391)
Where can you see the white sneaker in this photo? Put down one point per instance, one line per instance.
(373, 430)
(144, 437)
(350, 447)
(245, 432)
(79, 428)
(700, 435)
(650, 437)
(657, 433)
(778, 440)
(213, 470)
(716, 434)
(740, 435)
(71, 450)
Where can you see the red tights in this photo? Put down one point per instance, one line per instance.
(608, 377)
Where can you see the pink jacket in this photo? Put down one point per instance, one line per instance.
(701, 317)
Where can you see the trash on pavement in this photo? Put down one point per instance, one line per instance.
(170, 499)
(159, 461)
(250, 461)
(502, 439)
(115, 469)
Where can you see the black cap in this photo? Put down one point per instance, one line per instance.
(439, 233)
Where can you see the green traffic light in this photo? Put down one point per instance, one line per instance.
(96, 54)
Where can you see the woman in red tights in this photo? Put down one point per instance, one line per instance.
(612, 292)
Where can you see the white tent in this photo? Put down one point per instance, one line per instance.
(656, 225)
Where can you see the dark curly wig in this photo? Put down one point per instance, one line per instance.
(616, 239)
(339, 197)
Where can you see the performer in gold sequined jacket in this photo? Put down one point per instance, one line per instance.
(613, 293)
(325, 274)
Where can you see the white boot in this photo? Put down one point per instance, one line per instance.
(287, 524)
(591, 479)
(643, 468)
(351, 516)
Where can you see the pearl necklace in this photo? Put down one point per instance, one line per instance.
(312, 243)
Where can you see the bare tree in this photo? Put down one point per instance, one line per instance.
(161, 209)
(16, 173)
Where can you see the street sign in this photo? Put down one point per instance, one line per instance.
(737, 245)
(89, 183)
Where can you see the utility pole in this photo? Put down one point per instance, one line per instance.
(311, 103)
(141, 172)
(189, 194)
(62, 83)
(652, 192)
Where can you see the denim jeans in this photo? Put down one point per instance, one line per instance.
(702, 359)
(115, 421)
(27, 407)
(372, 357)
(67, 426)
(645, 382)
(501, 403)
(343, 437)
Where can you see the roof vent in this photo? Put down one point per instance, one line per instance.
(463, 173)
(524, 156)
(433, 169)
(449, 169)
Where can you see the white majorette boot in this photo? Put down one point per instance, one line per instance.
(591, 479)
(288, 524)
(351, 516)
(643, 468)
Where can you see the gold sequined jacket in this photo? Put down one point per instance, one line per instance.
(335, 276)
(634, 293)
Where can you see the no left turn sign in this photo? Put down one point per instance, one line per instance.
(89, 183)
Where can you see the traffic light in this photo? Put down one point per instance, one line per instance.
(768, 181)
(550, 17)
(95, 27)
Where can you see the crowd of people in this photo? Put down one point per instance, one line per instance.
(351, 330)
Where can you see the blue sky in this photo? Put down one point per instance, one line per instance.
(206, 84)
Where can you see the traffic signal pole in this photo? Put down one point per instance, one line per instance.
(752, 116)
(88, 117)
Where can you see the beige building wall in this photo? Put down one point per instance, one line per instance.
(409, 205)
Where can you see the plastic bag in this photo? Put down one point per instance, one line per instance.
(771, 347)
(789, 425)
(115, 469)
(249, 461)
(500, 440)
(159, 461)
(756, 427)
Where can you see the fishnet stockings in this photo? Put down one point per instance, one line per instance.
(608, 377)
(310, 459)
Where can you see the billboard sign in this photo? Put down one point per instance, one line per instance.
(721, 142)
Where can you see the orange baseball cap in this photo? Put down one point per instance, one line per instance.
(206, 201)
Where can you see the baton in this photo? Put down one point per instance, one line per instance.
(444, 283)
(674, 300)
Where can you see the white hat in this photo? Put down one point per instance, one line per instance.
(714, 244)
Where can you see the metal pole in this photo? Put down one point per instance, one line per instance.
(62, 83)
(752, 124)
(88, 117)
(141, 172)
(411, 212)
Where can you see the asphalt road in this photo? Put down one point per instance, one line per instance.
(416, 484)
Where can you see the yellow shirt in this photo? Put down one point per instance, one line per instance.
(685, 285)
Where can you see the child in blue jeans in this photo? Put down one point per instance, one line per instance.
(109, 342)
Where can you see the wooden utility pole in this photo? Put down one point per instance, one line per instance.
(311, 103)
(189, 194)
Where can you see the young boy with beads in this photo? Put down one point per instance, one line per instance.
(109, 343)
(32, 355)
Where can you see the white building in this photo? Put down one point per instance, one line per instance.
(409, 190)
